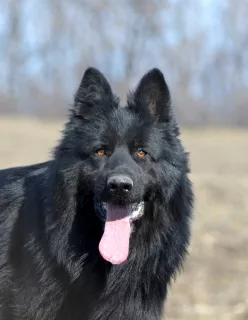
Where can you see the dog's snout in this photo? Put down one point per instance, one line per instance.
(119, 184)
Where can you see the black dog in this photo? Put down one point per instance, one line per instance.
(98, 232)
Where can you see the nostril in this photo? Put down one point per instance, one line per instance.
(112, 186)
(127, 187)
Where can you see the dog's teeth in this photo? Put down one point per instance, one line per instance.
(137, 210)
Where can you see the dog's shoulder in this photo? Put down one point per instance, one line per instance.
(15, 173)
(12, 181)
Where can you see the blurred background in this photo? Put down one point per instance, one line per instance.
(202, 48)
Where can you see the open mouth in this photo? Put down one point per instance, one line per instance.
(114, 245)
(135, 210)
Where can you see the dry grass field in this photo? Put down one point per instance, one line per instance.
(214, 283)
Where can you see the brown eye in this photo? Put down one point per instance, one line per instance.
(141, 154)
(100, 152)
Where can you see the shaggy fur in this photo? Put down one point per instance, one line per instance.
(50, 266)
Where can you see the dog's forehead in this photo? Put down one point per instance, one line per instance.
(123, 120)
(125, 127)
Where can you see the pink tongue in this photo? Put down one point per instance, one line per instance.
(114, 245)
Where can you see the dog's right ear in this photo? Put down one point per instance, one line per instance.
(94, 92)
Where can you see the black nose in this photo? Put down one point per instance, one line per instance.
(119, 184)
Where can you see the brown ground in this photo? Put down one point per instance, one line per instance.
(214, 284)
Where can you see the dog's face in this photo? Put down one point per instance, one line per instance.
(129, 156)
(121, 157)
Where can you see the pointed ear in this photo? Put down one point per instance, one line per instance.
(152, 97)
(94, 91)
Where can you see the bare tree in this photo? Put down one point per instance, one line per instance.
(45, 47)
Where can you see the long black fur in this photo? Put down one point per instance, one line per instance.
(50, 266)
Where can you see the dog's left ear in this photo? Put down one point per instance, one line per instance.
(93, 93)
(152, 97)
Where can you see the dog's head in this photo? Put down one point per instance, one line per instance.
(128, 156)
